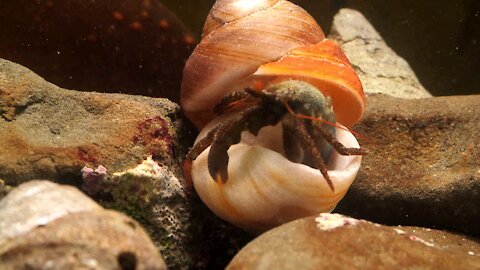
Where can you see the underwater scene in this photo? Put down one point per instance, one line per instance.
(239, 134)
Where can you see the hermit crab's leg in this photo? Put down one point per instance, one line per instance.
(206, 141)
(201, 145)
(309, 143)
(291, 149)
(340, 148)
(266, 97)
(227, 134)
(229, 101)
(224, 105)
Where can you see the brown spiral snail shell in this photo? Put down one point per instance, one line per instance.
(263, 45)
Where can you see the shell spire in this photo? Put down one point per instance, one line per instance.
(234, 47)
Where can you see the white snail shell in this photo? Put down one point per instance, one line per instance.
(265, 189)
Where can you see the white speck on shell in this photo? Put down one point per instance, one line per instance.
(326, 221)
(471, 253)
(399, 231)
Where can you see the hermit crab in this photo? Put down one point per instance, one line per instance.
(274, 100)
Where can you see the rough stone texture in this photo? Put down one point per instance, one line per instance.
(153, 195)
(48, 226)
(52, 133)
(380, 69)
(332, 241)
(125, 46)
(188, 234)
(424, 163)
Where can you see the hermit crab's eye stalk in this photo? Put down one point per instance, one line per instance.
(271, 96)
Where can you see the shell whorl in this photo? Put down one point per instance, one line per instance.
(235, 45)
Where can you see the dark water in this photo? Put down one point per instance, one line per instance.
(139, 47)
(440, 39)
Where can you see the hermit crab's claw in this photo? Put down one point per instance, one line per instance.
(218, 162)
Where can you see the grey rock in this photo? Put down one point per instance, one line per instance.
(49, 226)
(153, 195)
(380, 69)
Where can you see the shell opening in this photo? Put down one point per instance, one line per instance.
(271, 138)
(264, 188)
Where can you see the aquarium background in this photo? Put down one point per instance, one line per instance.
(439, 39)
(118, 46)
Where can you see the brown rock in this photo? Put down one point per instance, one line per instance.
(101, 142)
(380, 69)
(62, 135)
(45, 225)
(127, 46)
(52, 133)
(424, 164)
(333, 241)
(447, 240)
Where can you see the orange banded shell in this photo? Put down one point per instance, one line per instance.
(260, 43)
(326, 67)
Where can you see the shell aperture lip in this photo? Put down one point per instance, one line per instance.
(265, 189)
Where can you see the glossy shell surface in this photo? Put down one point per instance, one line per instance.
(326, 67)
(237, 40)
(264, 188)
